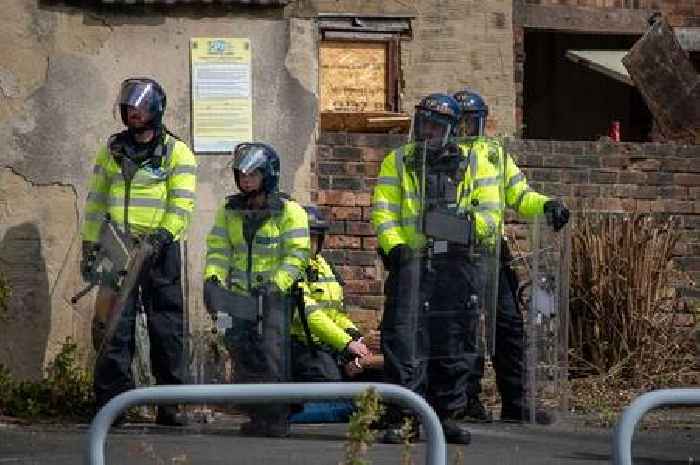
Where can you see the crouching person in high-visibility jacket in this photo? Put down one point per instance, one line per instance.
(326, 344)
(257, 251)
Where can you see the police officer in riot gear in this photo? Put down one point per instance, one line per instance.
(399, 201)
(259, 247)
(144, 180)
(509, 333)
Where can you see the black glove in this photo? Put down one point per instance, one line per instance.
(353, 333)
(88, 261)
(211, 281)
(159, 240)
(399, 255)
(557, 214)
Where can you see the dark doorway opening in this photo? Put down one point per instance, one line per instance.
(564, 100)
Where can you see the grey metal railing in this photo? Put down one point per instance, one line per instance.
(436, 453)
(624, 430)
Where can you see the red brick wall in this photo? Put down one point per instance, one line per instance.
(678, 12)
(346, 168)
(658, 178)
(605, 176)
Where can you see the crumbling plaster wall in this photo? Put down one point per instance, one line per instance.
(61, 68)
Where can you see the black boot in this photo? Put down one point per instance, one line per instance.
(520, 413)
(455, 433)
(167, 416)
(265, 427)
(475, 412)
(395, 433)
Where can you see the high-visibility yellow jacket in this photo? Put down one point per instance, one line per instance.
(160, 196)
(490, 182)
(278, 253)
(323, 306)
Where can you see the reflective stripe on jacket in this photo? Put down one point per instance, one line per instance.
(278, 253)
(158, 197)
(323, 305)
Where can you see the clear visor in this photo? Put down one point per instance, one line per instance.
(430, 128)
(248, 158)
(473, 124)
(139, 98)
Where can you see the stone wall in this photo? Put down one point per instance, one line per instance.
(62, 63)
(603, 176)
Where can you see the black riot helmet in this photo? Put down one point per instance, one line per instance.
(318, 225)
(435, 120)
(251, 156)
(474, 112)
(145, 99)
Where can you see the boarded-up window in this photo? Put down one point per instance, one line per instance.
(353, 76)
(360, 73)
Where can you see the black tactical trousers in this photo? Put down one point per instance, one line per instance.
(509, 361)
(263, 358)
(509, 358)
(314, 366)
(453, 323)
(403, 339)
(160, 293)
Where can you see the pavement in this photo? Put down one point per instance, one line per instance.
(220, 443)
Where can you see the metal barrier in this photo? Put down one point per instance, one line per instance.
(436, 452)
(624, 430)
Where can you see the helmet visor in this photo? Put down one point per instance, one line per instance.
(431, 128)
(472, 125)
(140, 99)
(248, 158)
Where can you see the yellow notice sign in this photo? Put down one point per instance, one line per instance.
(222, 114)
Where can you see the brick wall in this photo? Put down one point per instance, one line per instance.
(458, 43)
(346, 168)
(678, 12)
(602, 175)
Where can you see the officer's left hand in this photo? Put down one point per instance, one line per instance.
(557, 214)
(159, 240)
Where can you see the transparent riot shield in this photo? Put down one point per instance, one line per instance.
(545, 299)
(248, 340)
(452, 209)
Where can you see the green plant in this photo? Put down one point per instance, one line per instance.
(360, 435)
(407, 447)
(65, 393)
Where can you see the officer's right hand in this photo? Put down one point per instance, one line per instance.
(557, 214)
(88, 261)
(400, 254)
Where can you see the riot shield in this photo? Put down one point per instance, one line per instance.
(450, 282)
(545, 299)
(247, 338)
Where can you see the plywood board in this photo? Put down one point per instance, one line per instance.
(668, 82)
(352, 76)
(384, 122)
